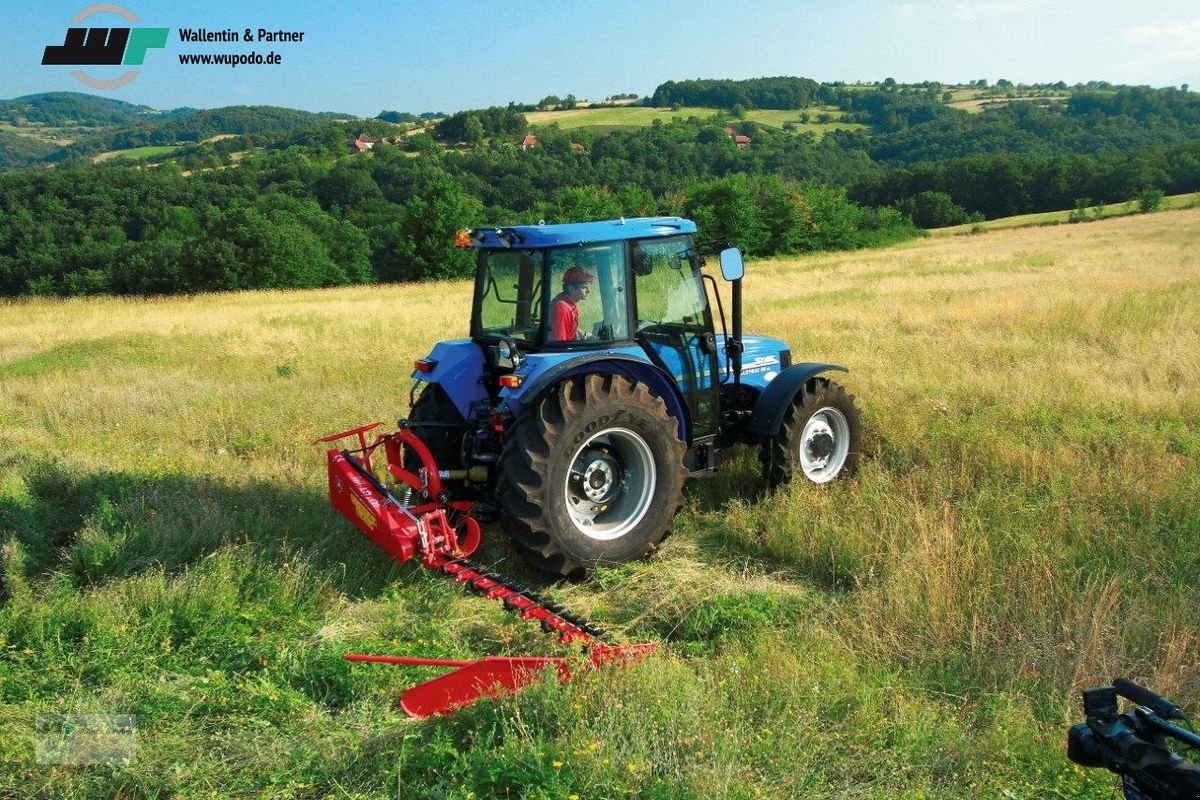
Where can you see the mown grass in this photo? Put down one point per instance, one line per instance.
(1025, 523)
(138, 153)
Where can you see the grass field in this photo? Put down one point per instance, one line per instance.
(58, 136)
(1176, 201)
(146, 153)
(640, 117)
(1025, 523)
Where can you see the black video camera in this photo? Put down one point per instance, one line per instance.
(1134, 744)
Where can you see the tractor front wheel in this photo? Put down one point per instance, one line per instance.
(820, 438)
(592, 475)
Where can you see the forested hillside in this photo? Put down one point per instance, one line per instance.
(257, 197)
(73, 108)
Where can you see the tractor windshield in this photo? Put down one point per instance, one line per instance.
(587, 302)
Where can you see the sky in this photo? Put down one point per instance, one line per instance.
(366, 57)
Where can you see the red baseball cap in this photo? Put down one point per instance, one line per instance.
(578, 275)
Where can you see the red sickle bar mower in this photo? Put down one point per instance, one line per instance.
(440, 533)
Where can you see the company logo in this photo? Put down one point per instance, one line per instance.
(105, 46)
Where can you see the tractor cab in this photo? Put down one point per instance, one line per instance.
(637, 273)
(557, 293)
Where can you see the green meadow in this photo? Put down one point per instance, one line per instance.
(640, 117)
(1025, 523)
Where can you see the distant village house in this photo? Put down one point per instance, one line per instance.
(362, 144)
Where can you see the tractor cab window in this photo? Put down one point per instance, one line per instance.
(669, 290)
(589, 301)
(510, 291)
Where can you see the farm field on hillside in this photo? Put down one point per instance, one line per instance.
(621, 116)
(1025, 524)
(1176, 201)
(640, 117)
(138, 153)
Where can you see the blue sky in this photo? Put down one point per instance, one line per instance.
(365, 57)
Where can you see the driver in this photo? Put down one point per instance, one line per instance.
(564, 308)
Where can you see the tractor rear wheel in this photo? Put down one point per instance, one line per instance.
(820, 438)
(592, 475)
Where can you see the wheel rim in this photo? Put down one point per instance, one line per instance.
(824, 445)
(610, 484)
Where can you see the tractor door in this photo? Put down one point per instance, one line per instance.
(674, 324)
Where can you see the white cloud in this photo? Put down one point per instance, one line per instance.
(1153, 48)
(1171, 34)
(907, 9)
(978, 9)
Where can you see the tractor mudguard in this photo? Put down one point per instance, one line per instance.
(632, 364)
(778, 395)
(456, 365)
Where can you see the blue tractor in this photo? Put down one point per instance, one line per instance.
(594, 384)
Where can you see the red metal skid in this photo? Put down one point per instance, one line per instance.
(493, 676)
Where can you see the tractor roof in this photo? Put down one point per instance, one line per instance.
(580, 232)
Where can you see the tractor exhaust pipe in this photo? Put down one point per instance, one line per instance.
(732, 269)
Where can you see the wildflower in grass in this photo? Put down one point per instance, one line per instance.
(556, 764)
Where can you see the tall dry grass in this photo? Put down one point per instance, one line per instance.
(1025, 522)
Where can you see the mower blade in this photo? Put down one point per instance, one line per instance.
(488, 677)
(620, 654)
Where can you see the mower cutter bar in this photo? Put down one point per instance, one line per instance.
(440, 533)
(521, 600)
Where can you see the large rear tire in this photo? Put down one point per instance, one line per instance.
(592, 475)
(820, 438)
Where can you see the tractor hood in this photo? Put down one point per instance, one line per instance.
(763, 359)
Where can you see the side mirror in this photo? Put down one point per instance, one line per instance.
(732, 267)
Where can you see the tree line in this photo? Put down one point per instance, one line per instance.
(775, 93)
(301, 217)
(302, 211)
